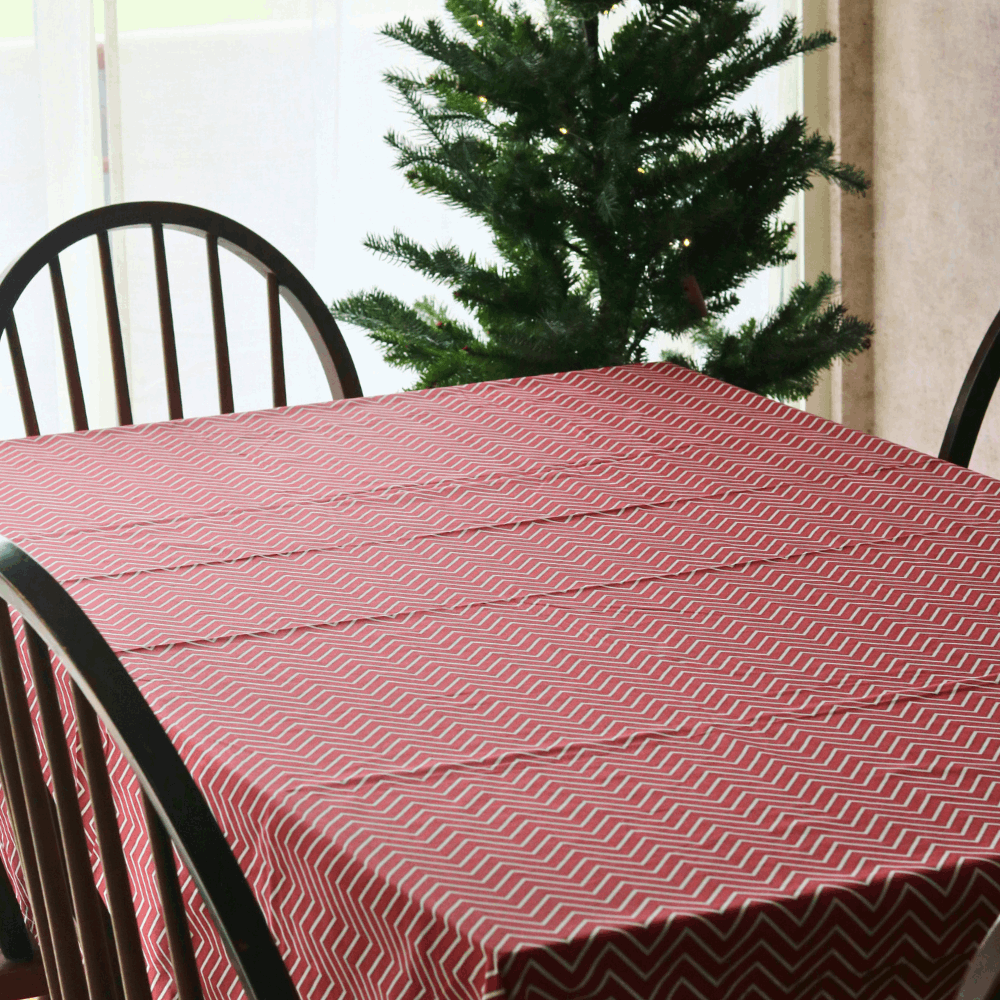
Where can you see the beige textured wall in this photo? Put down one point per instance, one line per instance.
(816, 243)
(837, 101)
(851, 226)
(913, 90)
(936, 204)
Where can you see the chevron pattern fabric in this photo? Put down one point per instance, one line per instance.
(603, 685)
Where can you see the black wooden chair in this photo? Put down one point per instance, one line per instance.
(282, 277)
(973, 399)
(88, 943)
(982, 979)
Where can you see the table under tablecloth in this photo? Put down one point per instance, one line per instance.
(608, 684)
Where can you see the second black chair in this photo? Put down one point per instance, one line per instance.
(88, 942)
(283, 279)
(973, 399)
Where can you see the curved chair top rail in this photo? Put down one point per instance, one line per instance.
(973, 399)
(305, 302)
(97, 671)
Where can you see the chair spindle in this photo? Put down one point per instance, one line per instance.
(219, 326)
(277, 351)
(135, 981)
(17, 811)
(21, 380)
(173, 378)
(90, 925)
(122, 399)
(41, 829)
(172, 905)
(73, 385)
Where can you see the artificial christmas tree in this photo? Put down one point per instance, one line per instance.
(625, 195)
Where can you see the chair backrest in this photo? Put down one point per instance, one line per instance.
(89, 942)
(283, 279)
(973, 399)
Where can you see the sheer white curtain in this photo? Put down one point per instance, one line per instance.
(50, 134)
(276, 122)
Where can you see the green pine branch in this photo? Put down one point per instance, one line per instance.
(606, 174)
(784, 355)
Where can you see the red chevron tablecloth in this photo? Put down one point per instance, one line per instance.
(613, 684)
